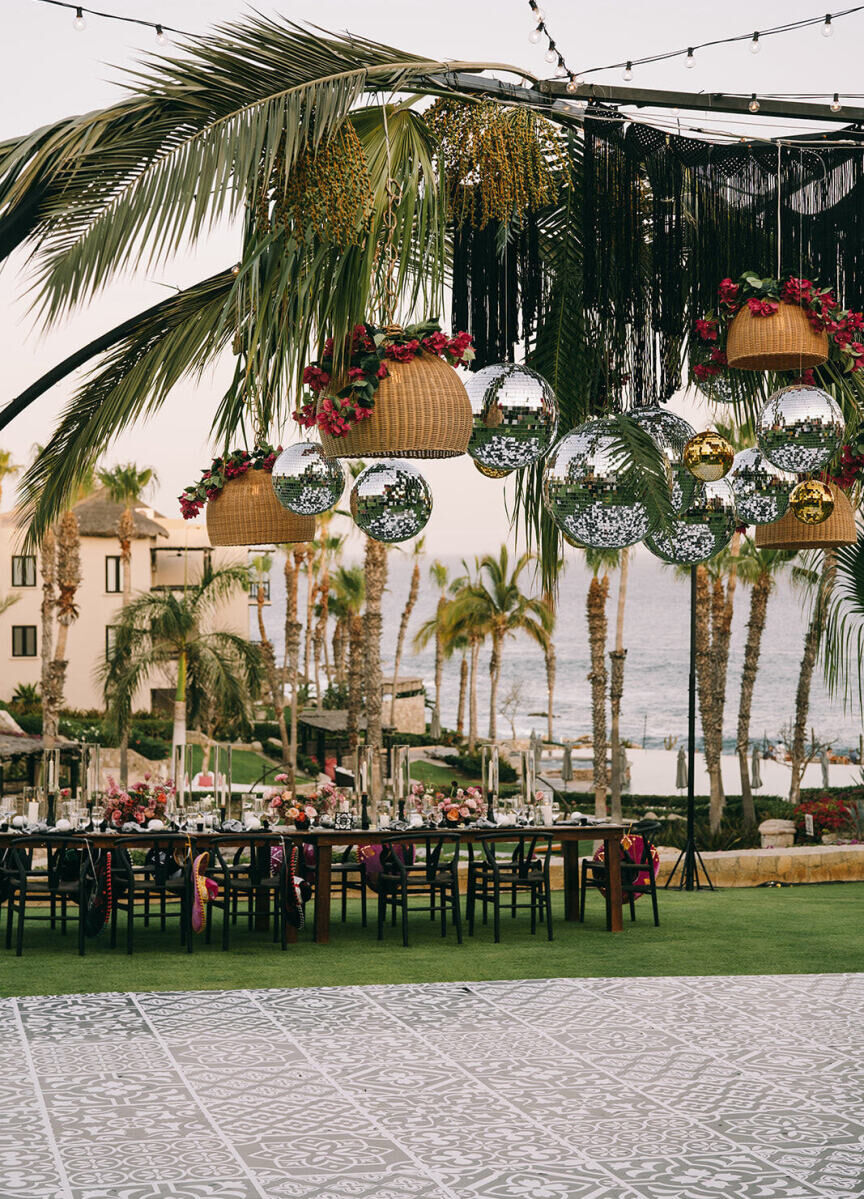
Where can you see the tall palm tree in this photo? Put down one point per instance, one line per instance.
(66, 568)
(496, 604)
(450, 638)
(294, 557)
(260, 568)
(410, 602)
(463, 625)
(439, 574)
(819, 578)
(375, 569)
(347, 592)
(347, 598)
(617, 658)
(48, 570)
(551, 663)
(757, 569)
(8, 469)
(329, 549)
(168, 632)
(599, 562)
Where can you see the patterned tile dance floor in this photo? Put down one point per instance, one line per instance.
(663, 1088)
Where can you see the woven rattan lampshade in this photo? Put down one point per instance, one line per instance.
(785, 341)
(246, 512)
(422, 410)
(788, 533)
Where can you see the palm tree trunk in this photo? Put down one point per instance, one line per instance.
(439, 655)
(805, 677)
(339, 646)
(463, 689)
(551, 670)
(355, 679)
(494, 675)
(322, 646)
(47, 567)
(277, 697)
(472, 696)
(310, 611)
(721, 634)
(755, 628)
(413, 592)
(125, 533)
(598, 590)
(178, 734)
(293, 561)
(376, 580)
(616, 688)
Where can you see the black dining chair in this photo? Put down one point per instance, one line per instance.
(496, 882)
(349, 874)
(595, 874)
(245, 869)
(147, 868)
(432, 875)
(31, 885)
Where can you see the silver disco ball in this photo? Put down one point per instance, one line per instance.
(515, 416)
(760, 488)
(671, 434)
(800, 428)
(585, 493)
(306, 481)
(391, 501)
(705, 527)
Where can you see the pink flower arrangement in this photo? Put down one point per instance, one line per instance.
(147, 800)
(220, 471)
(464, 806)
(371, 349)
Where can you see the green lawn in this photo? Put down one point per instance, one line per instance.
(807, 929)
(441, 776)
(247, 765)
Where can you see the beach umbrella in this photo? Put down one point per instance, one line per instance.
(567, 764)
(823, 762)
(756, 768)
(435, 723)
(681, 770)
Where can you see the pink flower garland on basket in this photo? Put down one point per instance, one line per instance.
(371, 348)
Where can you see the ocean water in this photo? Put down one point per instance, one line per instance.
(656, 635)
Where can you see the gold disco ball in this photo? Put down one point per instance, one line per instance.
(811, 502)
(708, 456)
(492, 472)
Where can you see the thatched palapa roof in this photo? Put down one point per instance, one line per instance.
(98, 516)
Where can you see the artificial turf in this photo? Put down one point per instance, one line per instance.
(805, 929)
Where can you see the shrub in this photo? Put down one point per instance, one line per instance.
(830, 815)
(470, 764)
(150, 747)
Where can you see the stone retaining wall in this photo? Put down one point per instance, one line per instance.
(798, 864)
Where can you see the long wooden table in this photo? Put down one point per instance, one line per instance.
(569, 835)
(324, 841)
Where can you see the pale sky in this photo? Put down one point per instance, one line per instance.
(49, 71)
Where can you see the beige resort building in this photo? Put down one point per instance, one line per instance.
(165, 552)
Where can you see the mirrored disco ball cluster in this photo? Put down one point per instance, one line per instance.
(671, 433)
(800, 428)
(391, 501)
(705, 527)
(760, 488)
(515, 416)
(306, 481)
(586, 493)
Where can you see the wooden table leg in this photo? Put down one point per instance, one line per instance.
(612, 854)
(570, 851)
(322, 893)
(263, 896)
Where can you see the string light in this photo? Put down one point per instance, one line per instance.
(754, 103)
(690, 61)
(835, 103)
(551, 53)
(161, 39)
(79, 23)
(827, 28)
(535, 35)
(755, 47)
(627, 73)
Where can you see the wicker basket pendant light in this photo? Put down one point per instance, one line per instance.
(247, 512)
(789, 533)
(421, 410)
(784, 341)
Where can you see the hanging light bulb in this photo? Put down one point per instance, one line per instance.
(572, 85)
(161, 39)
(755, 46)
(835, 103)
(690, 61)
(561, 69)
(827, 28)
(79, 23)
(551, 53)
(535, 35)
(676, 112)
(627, 73)
(754, 103)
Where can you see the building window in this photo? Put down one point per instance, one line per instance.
(264, 584)
(110, 639)
(24, 570)
(23, 641)
(113, 574)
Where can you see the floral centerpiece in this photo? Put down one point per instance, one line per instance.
(220, 471)
(762, 298)
(287, 806)
(464, 807)
(145, 801)
(366, 365)
(830, 816)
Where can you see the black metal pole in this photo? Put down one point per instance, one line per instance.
(689, 862)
